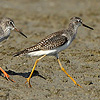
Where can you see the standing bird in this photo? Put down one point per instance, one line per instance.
(6, 25)
(53, 44)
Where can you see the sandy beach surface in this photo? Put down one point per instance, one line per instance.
(37, 19)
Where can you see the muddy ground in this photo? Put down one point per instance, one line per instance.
(37, 19)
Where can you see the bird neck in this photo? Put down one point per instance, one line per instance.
(6, 30)
(73, 28)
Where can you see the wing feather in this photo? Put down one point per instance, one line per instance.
(52, 41)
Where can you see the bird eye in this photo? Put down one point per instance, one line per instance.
(77, 21)
(10, 23)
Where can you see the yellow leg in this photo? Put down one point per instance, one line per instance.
(68, 74)
(28, 79)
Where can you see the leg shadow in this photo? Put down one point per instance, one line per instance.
(26, 74)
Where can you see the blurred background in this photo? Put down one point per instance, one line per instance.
(37, 19)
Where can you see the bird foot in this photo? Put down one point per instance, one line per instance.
(8, 78)
(6, 75)
(28, 80)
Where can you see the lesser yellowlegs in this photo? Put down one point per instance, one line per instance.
(53, 44)
(6, 25)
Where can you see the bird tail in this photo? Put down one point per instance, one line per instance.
(20, 53)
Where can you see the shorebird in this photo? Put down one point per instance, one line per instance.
(6, 25)
(53, 44)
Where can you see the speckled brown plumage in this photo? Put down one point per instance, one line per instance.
(52, 41)
(57, 39)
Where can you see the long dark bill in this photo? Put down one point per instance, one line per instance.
(87, 26)
(20, 32)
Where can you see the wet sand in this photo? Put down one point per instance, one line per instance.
(37, 19)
